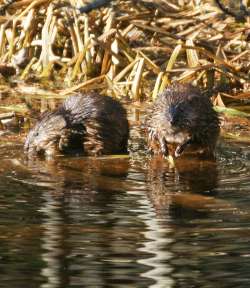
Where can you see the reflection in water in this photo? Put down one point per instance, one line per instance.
(86, 210)
(50, 241)
(169, 188)
(189, 198)
(191, 182)
(157, 243)
(75, 192)
(124, 222)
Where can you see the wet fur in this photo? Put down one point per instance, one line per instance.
(88, 123)
(196, 125)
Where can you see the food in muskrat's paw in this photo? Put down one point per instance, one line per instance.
(181, 119)
(85, 123)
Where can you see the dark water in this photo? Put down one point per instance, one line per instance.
(125, 222)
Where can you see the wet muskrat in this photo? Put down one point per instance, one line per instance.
(87, 123)
(180, 119)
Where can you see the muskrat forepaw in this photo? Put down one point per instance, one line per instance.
(180, 148)
(177, 152)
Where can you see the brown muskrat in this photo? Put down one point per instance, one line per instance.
(87, 123)
(182, 118)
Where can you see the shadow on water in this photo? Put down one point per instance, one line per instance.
(125, 222)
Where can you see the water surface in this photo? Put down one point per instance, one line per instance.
(125, 221)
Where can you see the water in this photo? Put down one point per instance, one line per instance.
(125, 222)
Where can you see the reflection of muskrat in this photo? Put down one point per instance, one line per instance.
(182, 118)
(87, 123)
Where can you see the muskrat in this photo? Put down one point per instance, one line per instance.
(182, 118)
(87, 123)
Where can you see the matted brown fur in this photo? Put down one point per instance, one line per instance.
(87, 123)
(181, 119)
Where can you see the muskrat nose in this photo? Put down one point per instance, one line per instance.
(172, 122)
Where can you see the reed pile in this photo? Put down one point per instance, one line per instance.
(130, 48)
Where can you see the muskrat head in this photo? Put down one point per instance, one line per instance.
(181, 115)
(45, 136)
